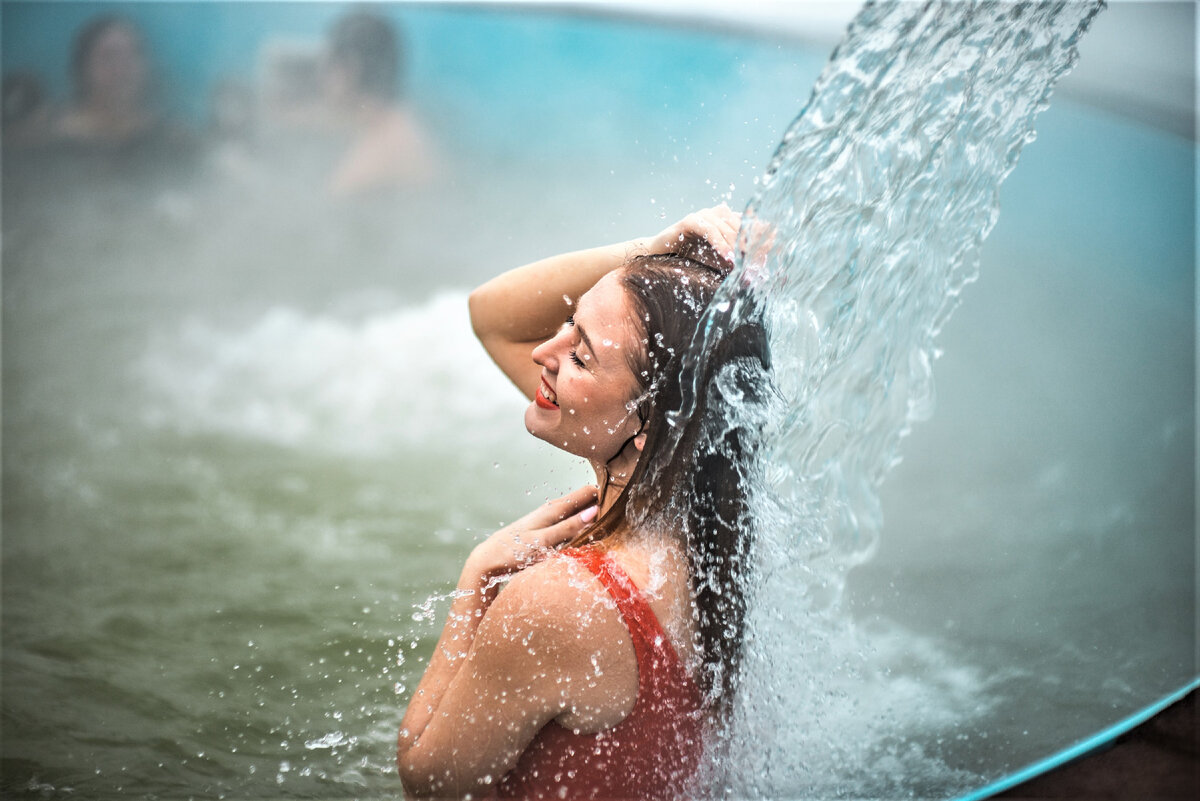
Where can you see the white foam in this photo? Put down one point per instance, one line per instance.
(404, 377)
(852, 712)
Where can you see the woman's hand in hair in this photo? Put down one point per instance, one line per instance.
(718, 226)
(529, 539)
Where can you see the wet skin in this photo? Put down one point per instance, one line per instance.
(583, 402)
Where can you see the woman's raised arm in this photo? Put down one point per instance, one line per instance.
(515, 312)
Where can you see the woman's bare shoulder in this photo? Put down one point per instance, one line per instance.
(558, 614)
(555, 589)
(556, 610)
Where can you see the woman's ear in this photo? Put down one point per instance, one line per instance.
(639, 441)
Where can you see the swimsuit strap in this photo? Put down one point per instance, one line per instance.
(649, 640)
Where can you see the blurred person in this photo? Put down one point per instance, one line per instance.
(110, 82)
(26, 111)
(111, 128)
(360, 85)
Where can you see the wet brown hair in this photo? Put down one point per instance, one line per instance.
(694, 474)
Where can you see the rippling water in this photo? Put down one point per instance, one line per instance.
(248, 435)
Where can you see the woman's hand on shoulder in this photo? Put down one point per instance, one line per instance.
(718, 225)
(530, 539)
(552, 642)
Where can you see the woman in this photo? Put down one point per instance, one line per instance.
(599, 671)
(111, 80)
(112, 128)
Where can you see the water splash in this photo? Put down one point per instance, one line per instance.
(856, 249)
(399, 378)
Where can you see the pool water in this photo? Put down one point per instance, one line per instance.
(249, 439)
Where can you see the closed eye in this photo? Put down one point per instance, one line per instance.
(570, 323)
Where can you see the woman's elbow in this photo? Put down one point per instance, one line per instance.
(423, 777)
(418, 780)
(413, 775)
(479, 307)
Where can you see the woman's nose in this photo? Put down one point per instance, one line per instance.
(543, 355)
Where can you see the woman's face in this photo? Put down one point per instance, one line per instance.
(583, 404)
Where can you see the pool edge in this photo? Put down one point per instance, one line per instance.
(1083, 748)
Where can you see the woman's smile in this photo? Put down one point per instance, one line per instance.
(545, 397)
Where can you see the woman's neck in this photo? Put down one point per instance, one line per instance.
(613, 476)
(611, 484)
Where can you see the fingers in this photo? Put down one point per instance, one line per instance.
(555, 523)
(559, 509)
(576, 501)
(719, 226)
(757, 247)
(731, 223)
(534, 536)
(567, 516)
(563, 531)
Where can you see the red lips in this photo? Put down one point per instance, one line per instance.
(541, 400)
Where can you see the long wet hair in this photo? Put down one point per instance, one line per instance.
(694, 474)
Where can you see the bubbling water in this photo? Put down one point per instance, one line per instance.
(855, 250)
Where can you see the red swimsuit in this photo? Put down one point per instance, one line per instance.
(651, 753)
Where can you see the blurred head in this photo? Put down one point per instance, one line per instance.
(364, 57)
(108, 63)
(23, 98)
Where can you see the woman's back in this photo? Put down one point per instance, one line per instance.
(654, 747)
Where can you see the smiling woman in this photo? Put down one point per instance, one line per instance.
(600, 668)
(589, 377)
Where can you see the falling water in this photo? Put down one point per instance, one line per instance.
(860, 240)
